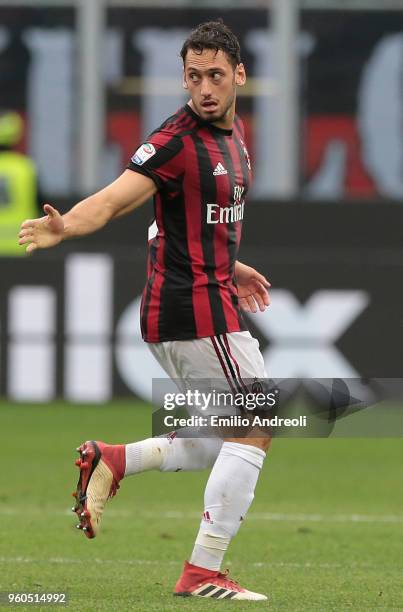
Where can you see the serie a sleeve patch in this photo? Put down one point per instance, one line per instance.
(143, 153)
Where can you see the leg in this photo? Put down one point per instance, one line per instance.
(227, 498)
(102, 466)
(171, 454)
(231, 485)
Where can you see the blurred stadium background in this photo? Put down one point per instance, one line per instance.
(323, 110)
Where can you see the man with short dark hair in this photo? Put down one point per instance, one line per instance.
(197, 167)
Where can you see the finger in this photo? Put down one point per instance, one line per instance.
(260, 302)
(31, 247)
(257, 277)
(25, 232)
(251, 303)
(258, 287)
(28, 223)
(25, 239)
(244, 304)
(49, 210)
(263, 293)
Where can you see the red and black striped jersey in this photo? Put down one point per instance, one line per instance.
(202, 173)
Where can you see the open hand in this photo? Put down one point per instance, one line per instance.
(44, 232)
(252, 288)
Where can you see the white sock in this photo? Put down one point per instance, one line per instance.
(228, 495)
(171, 454)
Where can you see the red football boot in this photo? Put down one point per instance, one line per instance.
(199, 582)
(101, 466)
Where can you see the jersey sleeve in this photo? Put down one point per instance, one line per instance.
(160, 158)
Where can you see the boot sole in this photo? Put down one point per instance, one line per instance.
(89, 458)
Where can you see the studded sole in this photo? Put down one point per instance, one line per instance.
(88, 461)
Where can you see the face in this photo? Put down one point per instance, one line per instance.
(212, 81)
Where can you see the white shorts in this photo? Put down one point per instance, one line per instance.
(233, 357)
(231, 361)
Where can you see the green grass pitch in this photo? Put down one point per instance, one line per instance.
(324, 533)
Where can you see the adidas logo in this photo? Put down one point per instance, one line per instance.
(219, 170)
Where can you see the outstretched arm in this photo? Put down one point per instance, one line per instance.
(128, 192)
(252, 288)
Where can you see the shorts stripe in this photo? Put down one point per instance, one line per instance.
(229, 364)
(236, 364)
(232, 364)
(220, 359)
(227, 355)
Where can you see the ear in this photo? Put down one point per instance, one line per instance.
(240, 75)
(184, 82)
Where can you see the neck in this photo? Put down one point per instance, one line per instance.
(226, 122)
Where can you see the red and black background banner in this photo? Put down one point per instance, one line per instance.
(351, 103)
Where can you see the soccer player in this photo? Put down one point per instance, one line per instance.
(197, 167)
